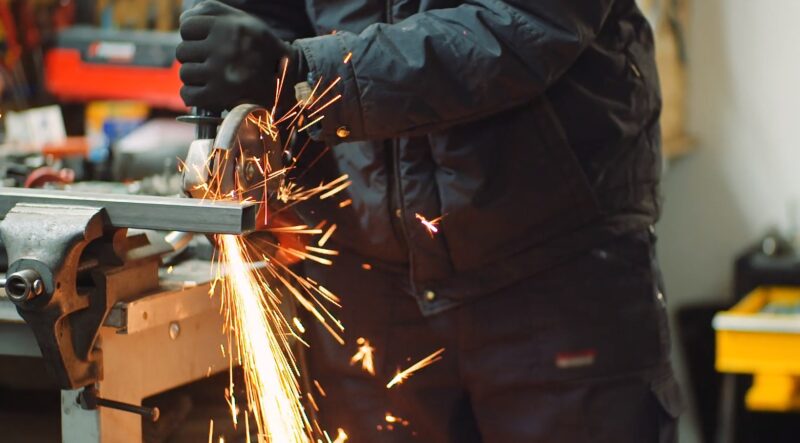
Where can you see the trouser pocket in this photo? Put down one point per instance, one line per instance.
(667, 395)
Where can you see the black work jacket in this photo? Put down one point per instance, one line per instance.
(531, 126)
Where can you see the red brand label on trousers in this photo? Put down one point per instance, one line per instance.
(577, 359)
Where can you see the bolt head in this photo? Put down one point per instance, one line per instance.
(37, 287)
(174, 330)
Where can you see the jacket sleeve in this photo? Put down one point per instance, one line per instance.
(444, 67)
(287, 18)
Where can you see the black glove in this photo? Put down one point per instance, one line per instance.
(229, 57)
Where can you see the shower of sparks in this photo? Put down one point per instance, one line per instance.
(406, 373)
(432, 226)
(270, 372)
(364, 355)
(255, 287)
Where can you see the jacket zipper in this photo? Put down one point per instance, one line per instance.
(401, 205)
(398, 182)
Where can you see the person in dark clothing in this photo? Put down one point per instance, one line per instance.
(531, 127)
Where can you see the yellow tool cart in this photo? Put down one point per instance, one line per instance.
(760, 335)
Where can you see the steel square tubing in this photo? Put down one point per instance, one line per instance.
(146, 212)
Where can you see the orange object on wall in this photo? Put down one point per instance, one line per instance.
(70, 78)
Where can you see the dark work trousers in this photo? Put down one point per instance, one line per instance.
(575, 354)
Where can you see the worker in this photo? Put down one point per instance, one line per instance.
(530, 128)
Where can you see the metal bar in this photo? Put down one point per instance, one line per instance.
(146, 212)
(89, 400)
(151, 414)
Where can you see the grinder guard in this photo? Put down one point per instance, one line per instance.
(237, 162)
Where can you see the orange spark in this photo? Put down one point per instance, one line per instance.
(403, 375)
(326, 236)
(391, 418)
(322, 251)
(364, 355)
(312, 123)
(247, 425)
(348, 57)
(312, 401)
(304, 256)
(319, 388)
(432, 226)
(299, 325)
(341, 437)
(326, 105)
(325, 92)
(319, 430)
(298, 229)
(346, 203)
(366, 266)
(335, 190)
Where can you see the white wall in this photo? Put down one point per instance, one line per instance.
(744, 111)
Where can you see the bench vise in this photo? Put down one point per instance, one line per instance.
(71, 260)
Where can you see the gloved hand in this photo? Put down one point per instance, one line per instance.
(229, 57)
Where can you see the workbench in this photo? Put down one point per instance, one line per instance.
(160, 341)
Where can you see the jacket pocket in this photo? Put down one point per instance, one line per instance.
(507, 184)
(552, 137)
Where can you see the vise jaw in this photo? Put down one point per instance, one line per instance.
(67, 268)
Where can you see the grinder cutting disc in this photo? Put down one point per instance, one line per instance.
(237, 164)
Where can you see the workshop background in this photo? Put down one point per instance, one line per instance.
(729, 230)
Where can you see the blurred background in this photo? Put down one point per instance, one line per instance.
(731, 202)
(89, 96)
